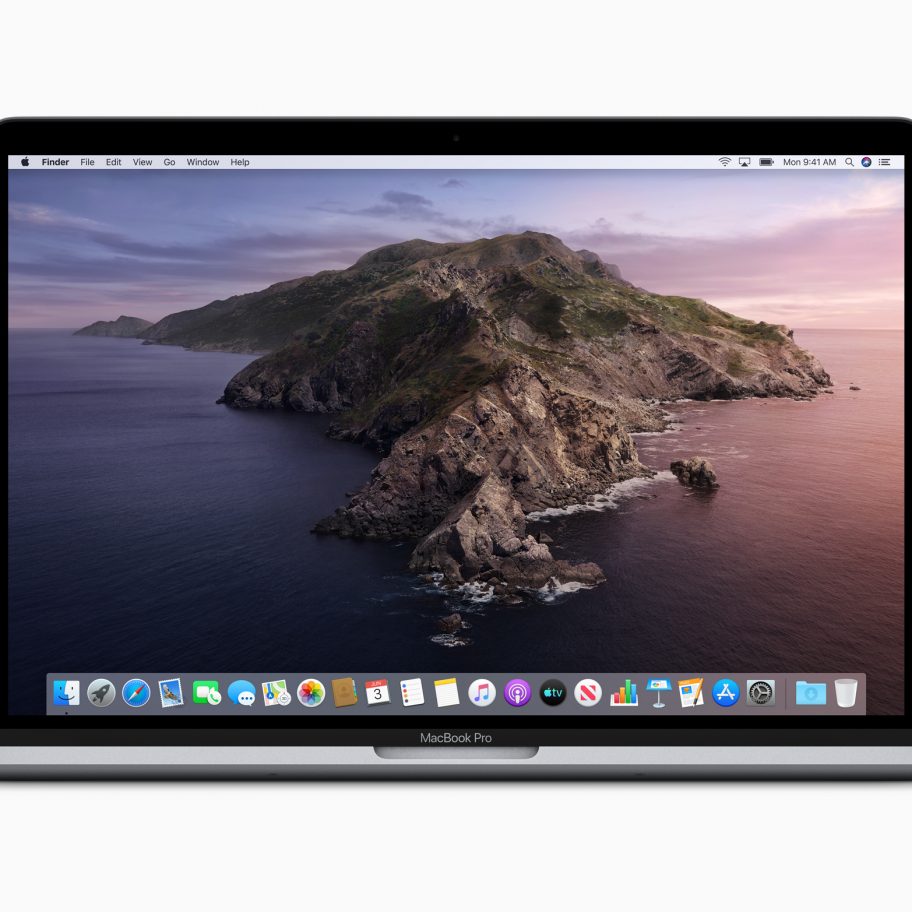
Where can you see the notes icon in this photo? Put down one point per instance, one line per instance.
(482, 692)
(447, 692)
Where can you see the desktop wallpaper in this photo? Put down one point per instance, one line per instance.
(462, 420)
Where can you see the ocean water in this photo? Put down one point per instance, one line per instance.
(151, 528)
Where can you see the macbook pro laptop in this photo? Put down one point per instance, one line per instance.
(436, 448)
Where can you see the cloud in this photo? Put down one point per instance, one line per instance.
(46, 217)
(800, 272)
(400, 205)
(411, 207)
(835, 258)
(84, 271)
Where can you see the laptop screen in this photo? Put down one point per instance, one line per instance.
(315, 437)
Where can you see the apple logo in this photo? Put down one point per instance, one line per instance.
(25, 162)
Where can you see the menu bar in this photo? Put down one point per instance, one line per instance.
(221, 162)
(414, 693)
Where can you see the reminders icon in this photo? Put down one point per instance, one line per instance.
(412, 692)
(447, 692)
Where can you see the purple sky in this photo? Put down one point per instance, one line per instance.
(805, 248)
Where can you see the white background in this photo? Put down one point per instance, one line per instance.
(451, 846)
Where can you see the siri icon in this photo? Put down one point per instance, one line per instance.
(866, 162)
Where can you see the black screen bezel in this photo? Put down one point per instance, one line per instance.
(442, 136)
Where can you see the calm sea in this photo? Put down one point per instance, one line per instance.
(151, 528)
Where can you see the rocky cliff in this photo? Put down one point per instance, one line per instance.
(494, 378)
(123, 327)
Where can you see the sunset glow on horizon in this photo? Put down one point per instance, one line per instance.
(811, 249)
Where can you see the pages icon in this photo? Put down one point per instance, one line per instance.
(691, 691)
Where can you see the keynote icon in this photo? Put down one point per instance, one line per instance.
(517, 692)
(658, 685)
(482, 692)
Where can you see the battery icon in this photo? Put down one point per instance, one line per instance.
(766, 162)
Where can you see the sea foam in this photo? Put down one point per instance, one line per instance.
(610, 500)
(550, 593)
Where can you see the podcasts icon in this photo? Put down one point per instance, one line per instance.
(517, 692)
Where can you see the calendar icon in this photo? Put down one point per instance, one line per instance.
(377, 691)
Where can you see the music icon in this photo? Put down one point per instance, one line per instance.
(482, 692)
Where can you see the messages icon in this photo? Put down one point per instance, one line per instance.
(242, 692)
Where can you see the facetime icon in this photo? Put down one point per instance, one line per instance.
(345, 691)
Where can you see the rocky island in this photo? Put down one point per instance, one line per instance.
(696, 472)
(493, 378)
(123, 327)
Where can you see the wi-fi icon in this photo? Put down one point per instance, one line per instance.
(726, 161)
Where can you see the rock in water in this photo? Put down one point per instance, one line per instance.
(452, 623)
(696, 472)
